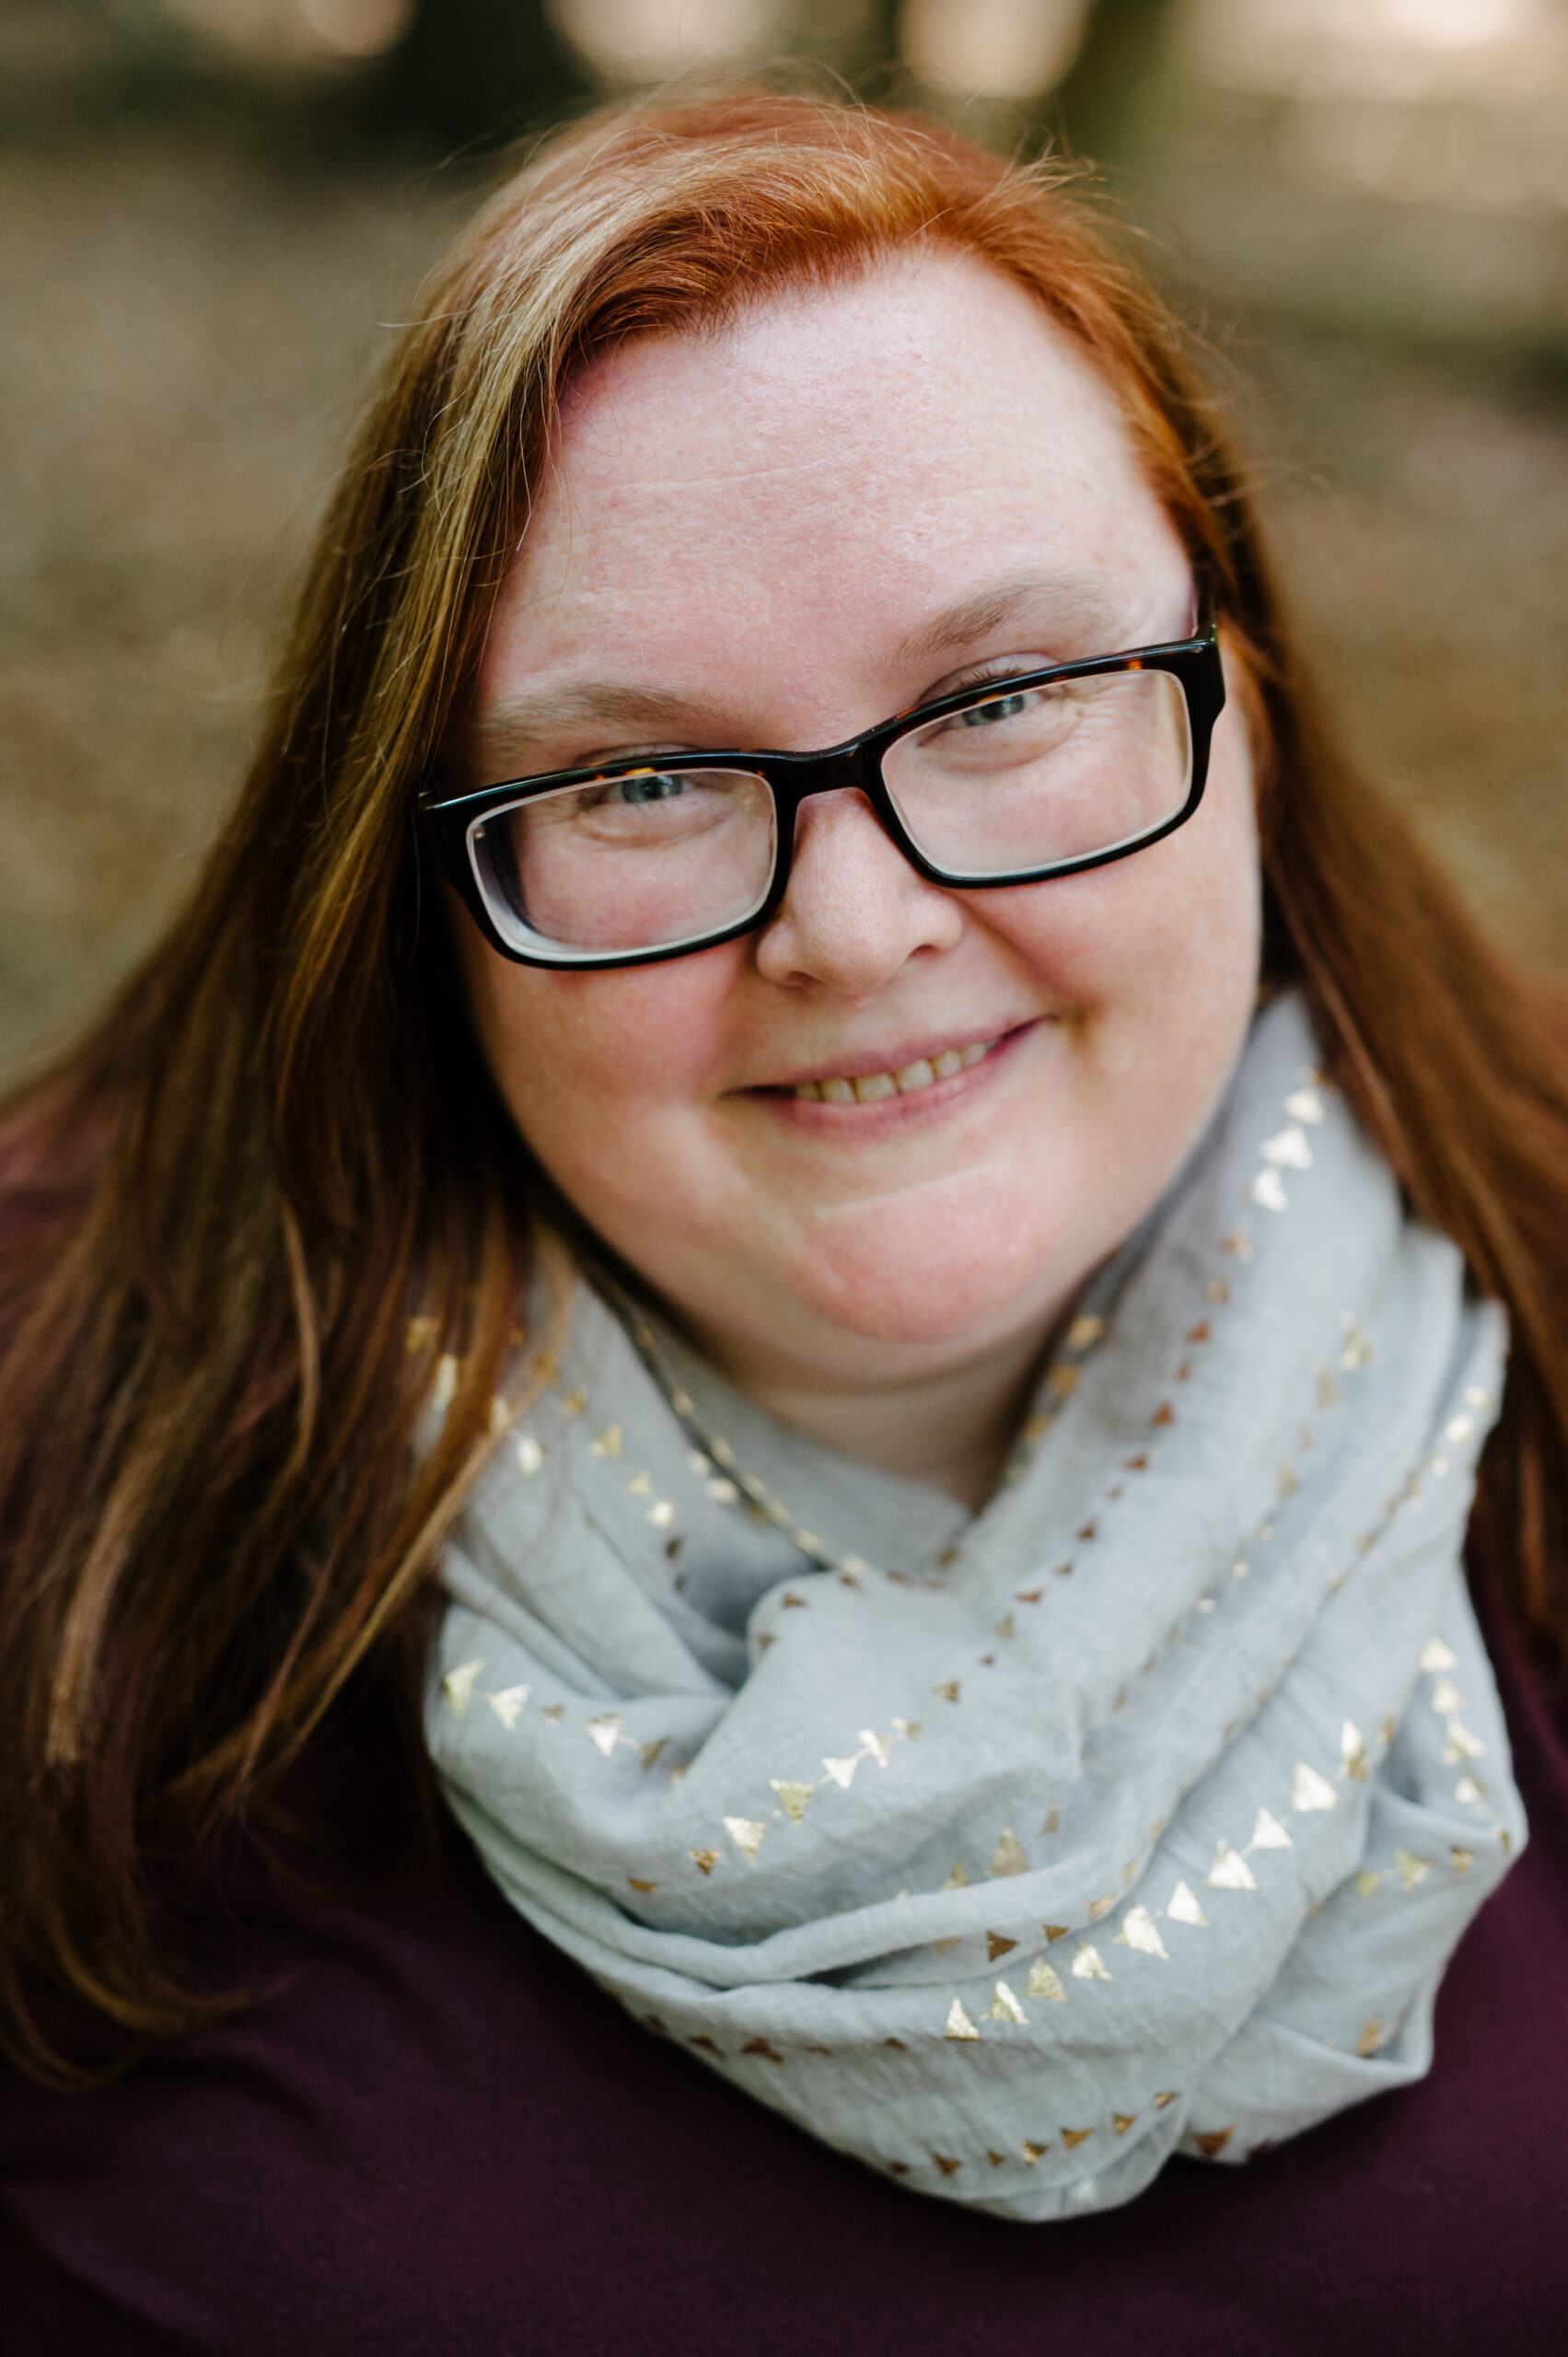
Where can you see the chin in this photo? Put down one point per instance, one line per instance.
(897, 1318)
(897, 1280)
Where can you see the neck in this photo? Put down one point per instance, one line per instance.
(951, 1431)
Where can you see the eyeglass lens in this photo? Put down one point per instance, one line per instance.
(1020, 781)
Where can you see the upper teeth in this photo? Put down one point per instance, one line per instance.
(870, 1086)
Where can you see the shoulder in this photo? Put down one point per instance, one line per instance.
(437, 2134)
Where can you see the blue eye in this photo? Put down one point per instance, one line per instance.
(647, 788)
(980, 716)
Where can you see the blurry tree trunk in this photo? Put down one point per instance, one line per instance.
(472, 72)
(859, 42)
(879, 42)
(1098, 109)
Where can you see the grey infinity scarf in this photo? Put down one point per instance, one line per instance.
(1144, 1820)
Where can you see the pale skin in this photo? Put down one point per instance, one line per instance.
(847, 503)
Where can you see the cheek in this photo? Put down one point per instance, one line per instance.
(1156, 961)
(583, 1060)
(1148, 953)
(1169, 937)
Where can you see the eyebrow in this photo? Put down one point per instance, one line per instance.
(518, 722)
(1056, 602)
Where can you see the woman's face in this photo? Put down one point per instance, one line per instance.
(846, 503)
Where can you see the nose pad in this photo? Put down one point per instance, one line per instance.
(842, 829)
(831, 805)
(853, 910)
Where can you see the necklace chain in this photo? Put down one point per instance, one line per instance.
(729, 1484)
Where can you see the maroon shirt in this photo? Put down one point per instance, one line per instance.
(441, 2138)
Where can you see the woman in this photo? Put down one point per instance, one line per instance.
(910, 1447)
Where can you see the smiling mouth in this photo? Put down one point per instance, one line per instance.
(873, 1087)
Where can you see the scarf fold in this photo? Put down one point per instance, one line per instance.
(1142, 1817)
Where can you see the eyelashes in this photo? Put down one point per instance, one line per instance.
(1001, 666)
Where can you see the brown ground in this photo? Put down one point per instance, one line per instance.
(187, 320)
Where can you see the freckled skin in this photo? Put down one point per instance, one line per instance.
(757, 520)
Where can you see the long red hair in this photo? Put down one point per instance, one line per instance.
(276, 1160)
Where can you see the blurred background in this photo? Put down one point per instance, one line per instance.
(212, 210)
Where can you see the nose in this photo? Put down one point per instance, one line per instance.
(854, 911)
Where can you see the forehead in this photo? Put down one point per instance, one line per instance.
(828, 469)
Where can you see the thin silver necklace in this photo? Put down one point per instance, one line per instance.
(728, 1483)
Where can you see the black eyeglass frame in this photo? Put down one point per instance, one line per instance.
(448, 820)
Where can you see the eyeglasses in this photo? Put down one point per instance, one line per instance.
(1010, 781)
